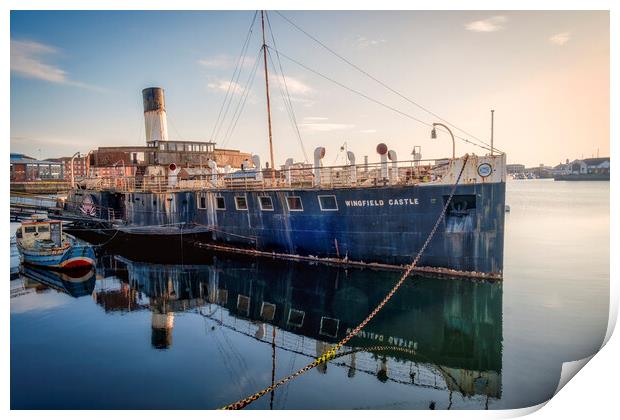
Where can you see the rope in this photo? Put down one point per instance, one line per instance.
(379, 81)
(376, 101)
(331, 353)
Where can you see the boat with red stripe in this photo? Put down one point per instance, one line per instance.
(42, 242)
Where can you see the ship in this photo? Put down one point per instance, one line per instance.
(178, 195)
(41, 242)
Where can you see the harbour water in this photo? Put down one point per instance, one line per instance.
(199, 336)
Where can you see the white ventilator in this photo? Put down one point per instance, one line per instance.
(319, 153)
(352, 167)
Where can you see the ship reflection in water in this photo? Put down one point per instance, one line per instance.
(438, 335)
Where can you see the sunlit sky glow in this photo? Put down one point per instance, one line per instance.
(76, 79)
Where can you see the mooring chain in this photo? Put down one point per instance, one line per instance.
(331, 353)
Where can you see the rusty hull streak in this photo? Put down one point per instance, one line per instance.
(432, 271)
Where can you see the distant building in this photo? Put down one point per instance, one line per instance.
(515, 168)
(80, 166)
(26, 169)
(591, 166)
(540, 171)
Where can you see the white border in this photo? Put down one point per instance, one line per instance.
(592, 394)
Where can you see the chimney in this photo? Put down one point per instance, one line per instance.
(156, 127)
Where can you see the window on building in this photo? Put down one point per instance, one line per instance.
(241, 203)
(294, 203)
(328, 203)
(43, 229)
(265, 203)
(30, 229)
(219, 203)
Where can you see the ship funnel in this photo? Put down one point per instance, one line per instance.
(394, 173)
(259, 170)
(319, 153)
(155, 124)
(287, 170)
(353, 168)
(382, 149)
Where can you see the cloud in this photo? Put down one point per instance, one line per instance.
(362, 42)
(297, 87)
(223, 85)
(306, 119)
(325, 126)
(223, 61)
(492, 24)
(560, 39)
(368, 131)
(27, 60)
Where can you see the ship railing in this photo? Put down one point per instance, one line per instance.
(300, 177)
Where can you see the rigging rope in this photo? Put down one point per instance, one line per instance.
(290, 103)
(331, 353)
(289, 107)
(383, 104)
(379, 81)
(233, 81)
(244, 93)
(241, 104)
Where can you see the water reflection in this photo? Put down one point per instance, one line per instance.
(75, 283)
(442, 334)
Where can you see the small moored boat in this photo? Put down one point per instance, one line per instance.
(41, 242)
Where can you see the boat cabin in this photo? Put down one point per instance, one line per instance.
(39, 230)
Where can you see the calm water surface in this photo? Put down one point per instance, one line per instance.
(147, 335)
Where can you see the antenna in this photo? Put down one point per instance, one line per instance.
(273, 167)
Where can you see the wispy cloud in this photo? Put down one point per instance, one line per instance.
(362, 42)
(28, 60)
(223, 61)
(368, 131)
(223, 85)
(492, 24)
(560, 39)
(297, 87)
(317, 124)
(309, 119)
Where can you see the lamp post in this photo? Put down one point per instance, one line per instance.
(76, 154)
(434, 135)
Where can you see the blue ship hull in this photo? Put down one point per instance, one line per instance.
(70, 258)
(375, 225)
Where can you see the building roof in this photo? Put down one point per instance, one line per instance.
(17, 158)
(596, 161)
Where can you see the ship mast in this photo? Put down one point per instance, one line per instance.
(273, 174)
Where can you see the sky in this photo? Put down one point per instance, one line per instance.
(76, 81)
